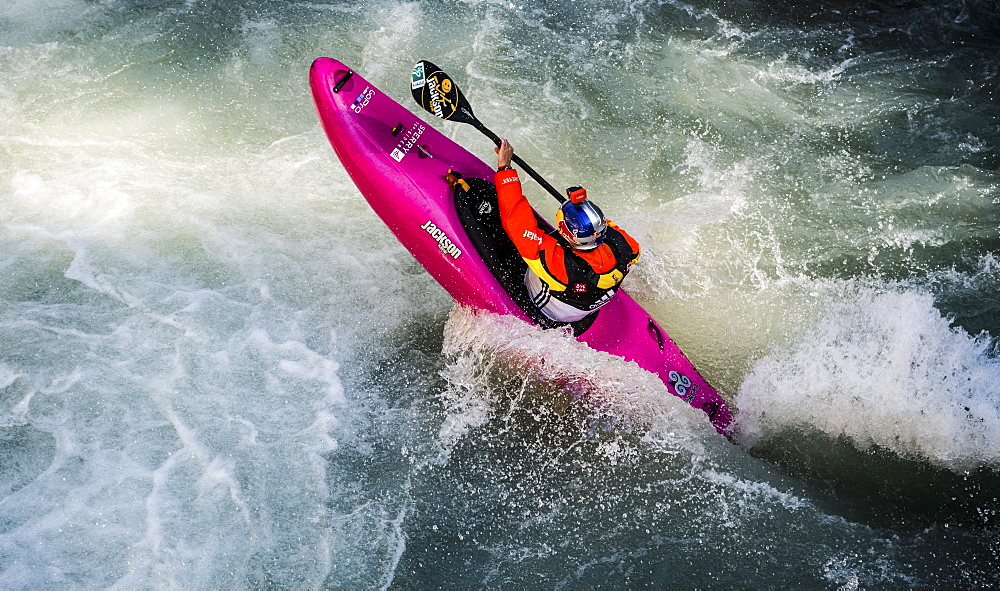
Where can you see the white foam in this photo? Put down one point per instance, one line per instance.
(484, 347)
(883, 368)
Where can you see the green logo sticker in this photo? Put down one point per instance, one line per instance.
(417, 80)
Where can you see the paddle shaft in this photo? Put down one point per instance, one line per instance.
(524, 165)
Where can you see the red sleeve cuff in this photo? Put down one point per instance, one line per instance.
(505, 176)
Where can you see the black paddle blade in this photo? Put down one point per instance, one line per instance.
(438, 94)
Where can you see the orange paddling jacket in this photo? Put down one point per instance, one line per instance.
(566, 284)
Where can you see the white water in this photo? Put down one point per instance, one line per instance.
(218, 369)
(884, 369)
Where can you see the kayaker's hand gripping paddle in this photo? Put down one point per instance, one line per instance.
(438, 94)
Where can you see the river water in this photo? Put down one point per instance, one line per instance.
(218, 369)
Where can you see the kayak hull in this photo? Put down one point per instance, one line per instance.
(399, 163)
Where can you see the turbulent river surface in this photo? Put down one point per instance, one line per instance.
(219, 370)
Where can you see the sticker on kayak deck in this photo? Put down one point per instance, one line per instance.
(407, 142)
(417, 80)
(363, 99)
(444, 243)
(682, 384)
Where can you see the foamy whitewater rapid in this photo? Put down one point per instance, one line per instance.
(218, 369)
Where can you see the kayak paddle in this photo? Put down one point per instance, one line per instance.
(437, 93)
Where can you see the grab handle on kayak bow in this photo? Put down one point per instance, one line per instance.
(340, 83)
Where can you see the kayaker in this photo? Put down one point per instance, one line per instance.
(570, 278)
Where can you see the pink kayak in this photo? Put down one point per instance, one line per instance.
(399, 163)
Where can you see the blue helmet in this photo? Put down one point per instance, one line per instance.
(582, 224)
